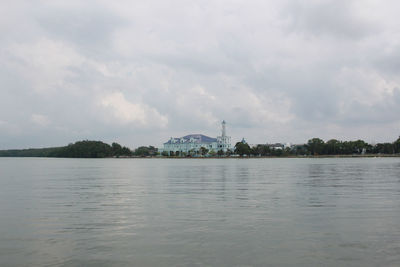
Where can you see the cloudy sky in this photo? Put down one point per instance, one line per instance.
(139, 72)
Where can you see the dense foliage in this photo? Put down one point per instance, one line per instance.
(242, 148)
(31, 152)
(80, 149)
(145, 151)
(317, 146)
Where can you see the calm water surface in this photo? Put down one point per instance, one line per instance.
(188, 212)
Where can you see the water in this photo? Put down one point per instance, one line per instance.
(200, 212)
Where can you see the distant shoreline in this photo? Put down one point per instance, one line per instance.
(291, 156)
(252, 157)
(315, 148)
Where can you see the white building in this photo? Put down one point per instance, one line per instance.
(192, 144)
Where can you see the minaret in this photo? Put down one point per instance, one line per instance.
(224, 142)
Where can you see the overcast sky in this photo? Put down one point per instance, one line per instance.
(139, 72)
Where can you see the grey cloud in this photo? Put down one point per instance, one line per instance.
(375, 115)
(330, 18)
(289, 70)
(388, 61)
(89, 27)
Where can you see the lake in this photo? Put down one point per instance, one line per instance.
(200, 212)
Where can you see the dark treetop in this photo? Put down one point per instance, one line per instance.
(80, 149)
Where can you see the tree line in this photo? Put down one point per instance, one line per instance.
(314, 146)
(317, 146)
(80, 149)
(91, 149)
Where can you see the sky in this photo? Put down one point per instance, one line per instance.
(140, 72)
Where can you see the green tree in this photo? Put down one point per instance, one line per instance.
(384, 148)
(315, 146)
(126, 151)
(396, 145)
(118, 150)
(203, 150)
(242, 149)
(263, 150)
(254, 151)
(152, 151)
(85, 149)
(358, 146)
(332, 147)
(142, 151)
(276, 152)
(300, 150)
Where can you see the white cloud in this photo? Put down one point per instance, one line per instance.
(46, 64)
(364, 86)
(139, 114)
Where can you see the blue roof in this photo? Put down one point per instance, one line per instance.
(199, 138)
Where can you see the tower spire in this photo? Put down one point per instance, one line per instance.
(223, 128)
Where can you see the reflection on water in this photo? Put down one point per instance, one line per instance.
(199, 212)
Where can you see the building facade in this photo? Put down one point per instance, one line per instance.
(192, 144)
